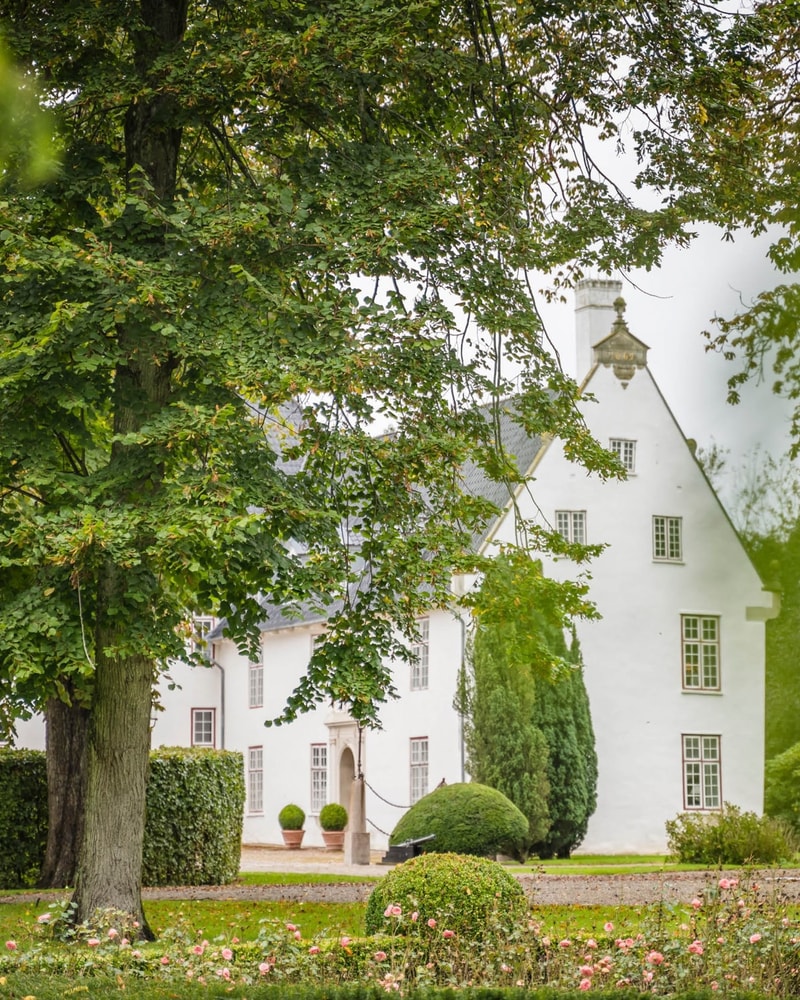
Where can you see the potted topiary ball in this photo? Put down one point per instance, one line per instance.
(333, 820)
(291, 819)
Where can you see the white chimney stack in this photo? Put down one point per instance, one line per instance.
(594, 317)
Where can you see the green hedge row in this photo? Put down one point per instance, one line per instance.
(193, 831)
(23, 816)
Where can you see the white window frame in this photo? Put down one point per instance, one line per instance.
(667, 538)
(702, 771)
(701, 668)
(319, 777)
(625, 450)
(255, 683)
(204, 727)
(418, 768)
(201, 625)
(420, 657)
(255, 779)
(572, 525)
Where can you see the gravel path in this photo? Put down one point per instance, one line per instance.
(579, 890)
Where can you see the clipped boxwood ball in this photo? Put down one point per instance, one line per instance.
(467, 818)
(291, 817)
(460, 892)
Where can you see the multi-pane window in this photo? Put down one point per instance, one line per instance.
(201, 626)
(202, 727)
(419, 656)
(572, 525)
(702, 772)
(319, 776)
(256, 684)
(255, 779)
(700, 642)
(419, 768)
(667, 543)
(625, 451)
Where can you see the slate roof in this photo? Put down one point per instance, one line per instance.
(517, 442)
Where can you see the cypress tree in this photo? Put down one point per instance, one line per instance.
(561, 712)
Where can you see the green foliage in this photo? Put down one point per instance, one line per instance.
(464, 893)
(291, 817)
(528, 728)
(23, 816)
(729, 837)
(782, 787)
(333, 816)
(466, 818)
(561, 713)
(193, 831)
(195, 808)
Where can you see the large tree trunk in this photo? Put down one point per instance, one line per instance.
(110, 869)
(67, 727)
(118, 758)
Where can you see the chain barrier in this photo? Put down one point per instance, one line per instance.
(394, 805)
(377, 827)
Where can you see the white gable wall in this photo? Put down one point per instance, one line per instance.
(633, 655)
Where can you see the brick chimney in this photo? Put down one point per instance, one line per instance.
(594, 317)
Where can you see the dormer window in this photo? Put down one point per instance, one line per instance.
(625, 450)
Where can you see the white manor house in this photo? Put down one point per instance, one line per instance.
(674, 668)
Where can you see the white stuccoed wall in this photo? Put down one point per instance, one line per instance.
(633, 655)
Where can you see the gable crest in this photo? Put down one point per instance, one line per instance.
(620, 349)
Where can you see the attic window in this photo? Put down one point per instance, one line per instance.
(625, 451)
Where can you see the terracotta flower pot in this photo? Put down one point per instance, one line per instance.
(293, 838)
(334, 839)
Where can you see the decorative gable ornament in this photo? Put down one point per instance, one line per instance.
(620, 348)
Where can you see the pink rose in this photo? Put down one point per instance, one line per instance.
(431, 922)
(585, 984)
(227, 954)
(565, 943)
(43, 918)
(696, 948)
(93, 942)
(11, 945)
(448, 934)
(655, 958)
(608, 927)
(755, 938)
(380, 956)
(263, 968)
(314, 949)
(165, 959)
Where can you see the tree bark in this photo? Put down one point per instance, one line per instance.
(110, 869)
(67, 727)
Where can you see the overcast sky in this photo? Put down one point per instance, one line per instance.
(668, 311)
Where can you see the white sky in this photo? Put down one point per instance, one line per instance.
(668, 311)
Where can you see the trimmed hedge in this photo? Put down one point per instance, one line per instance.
(460, 891)
(466, 818)
(193, 829)
(23, 816)
(195, 809)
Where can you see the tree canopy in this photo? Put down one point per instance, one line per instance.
(275, 227)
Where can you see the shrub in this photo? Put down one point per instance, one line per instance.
(333, 816)
(195, 807)
(291, 817)
(23, 816)
(729, 837)
(466, 818)
(460, 892)
(782, 791)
